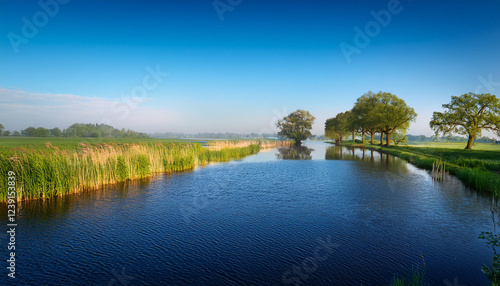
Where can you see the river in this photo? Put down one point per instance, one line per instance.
(323, 215)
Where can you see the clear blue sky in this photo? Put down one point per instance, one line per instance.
(239, 70)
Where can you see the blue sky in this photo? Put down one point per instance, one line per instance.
(184, 66)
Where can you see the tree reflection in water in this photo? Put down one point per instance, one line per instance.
(361, 154)
(295, 153)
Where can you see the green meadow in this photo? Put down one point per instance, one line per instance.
(47, 167)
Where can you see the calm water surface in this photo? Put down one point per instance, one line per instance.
(323, 216)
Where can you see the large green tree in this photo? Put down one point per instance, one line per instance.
(296, 125)
(42, 132)
(338, 127)
(364, 115)
(392, 114)
(30, 131)
(1, 129)
(56, 132)
(355, 126)
(468, 114)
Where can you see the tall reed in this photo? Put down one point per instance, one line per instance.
(48, 172)
(439, 171)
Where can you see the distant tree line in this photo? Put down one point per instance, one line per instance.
(76, 130)
(449, 138)
(318, 138)
(172, 135)
(214, 135)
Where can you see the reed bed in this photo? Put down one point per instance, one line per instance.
(47, 172)
(439, 171)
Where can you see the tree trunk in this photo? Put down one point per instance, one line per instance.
(388, 138)
(372, 138)
(363, 136)
(469, 142)
(353, 137)
(381, 138)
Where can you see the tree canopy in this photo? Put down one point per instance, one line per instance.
(56, 132)
(468, 114)
(296, 125)
(30, 131)
(393, 114)
(42, 132)
(364, 114)
(373, 112)
(338, 127)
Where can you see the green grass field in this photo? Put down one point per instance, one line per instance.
(8, 143)
(459, 145)
(486, 155)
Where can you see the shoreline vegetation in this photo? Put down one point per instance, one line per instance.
(47, 170)
(478, 169)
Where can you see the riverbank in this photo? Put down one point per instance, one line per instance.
(477, 168)
(43, 171)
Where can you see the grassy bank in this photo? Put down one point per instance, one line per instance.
(478, 168)
(46, 167)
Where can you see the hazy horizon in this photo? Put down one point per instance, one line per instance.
(192, 67)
